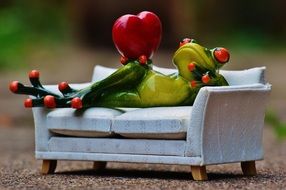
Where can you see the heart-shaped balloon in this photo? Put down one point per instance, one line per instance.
(136, 35)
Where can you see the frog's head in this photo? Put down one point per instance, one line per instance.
(191, 56)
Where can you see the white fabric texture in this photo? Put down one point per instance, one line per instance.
(156, 123)
(117, 146)
(227, 123)
(244, 77)
(236, 136)
(93, 122)
(149, 123)
(135, 158)
(101, 72)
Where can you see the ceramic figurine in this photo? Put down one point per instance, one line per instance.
(136, 84)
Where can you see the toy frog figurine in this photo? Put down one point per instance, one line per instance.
(136, 84)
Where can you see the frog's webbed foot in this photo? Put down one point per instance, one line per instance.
(205, 77)
(44, 97)
(50, 101)
(202, 76)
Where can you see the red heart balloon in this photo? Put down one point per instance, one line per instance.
(136, 35)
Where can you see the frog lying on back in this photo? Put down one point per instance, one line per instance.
(136, 84)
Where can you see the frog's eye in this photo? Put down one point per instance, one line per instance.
(187, 40)
(221, 55)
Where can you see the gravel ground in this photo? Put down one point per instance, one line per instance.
(20, 170)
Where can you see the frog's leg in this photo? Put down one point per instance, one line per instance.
(131, 98)
(124, 78)
(37, 90)
(124, 98)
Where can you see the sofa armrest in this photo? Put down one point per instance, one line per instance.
(42, 133)
(227, 123)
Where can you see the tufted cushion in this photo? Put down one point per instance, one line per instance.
(93, 122)
(154, 123)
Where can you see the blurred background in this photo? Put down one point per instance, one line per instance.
(64, 39)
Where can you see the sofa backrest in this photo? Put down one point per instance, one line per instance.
(101, 72)
(245, 77)
(241, 77)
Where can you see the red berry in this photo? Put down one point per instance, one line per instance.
(63, 86)
(193, 83)
(28, 103)
(191, 66)
(206, 79)
(49, 101)
(76, 103)
(14, 86)
(143, 60)
(123, 60)
(34, 74)
(221, 55)
(185, 41)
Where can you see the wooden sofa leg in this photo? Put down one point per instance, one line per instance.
(97, 165)
(49, 166)
(199, 173)
(248, 168)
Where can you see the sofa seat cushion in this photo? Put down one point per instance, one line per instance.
(92, 122)
(154, 123)
(147, 123)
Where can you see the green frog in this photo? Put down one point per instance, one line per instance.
(136, 84)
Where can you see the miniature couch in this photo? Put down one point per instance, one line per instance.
(224, 125)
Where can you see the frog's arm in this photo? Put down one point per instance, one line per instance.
(125, 77)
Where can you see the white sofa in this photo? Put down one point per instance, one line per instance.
(224, 125)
